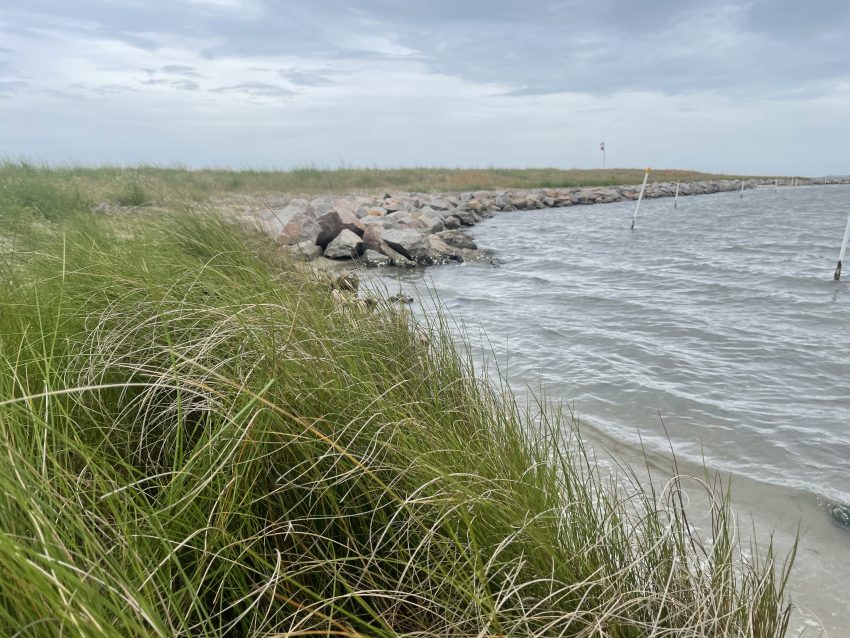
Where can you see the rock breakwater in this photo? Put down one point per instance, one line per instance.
(416, 229)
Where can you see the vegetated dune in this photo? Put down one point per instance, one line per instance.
(201, 439)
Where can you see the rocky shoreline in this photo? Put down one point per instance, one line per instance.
(416, 229)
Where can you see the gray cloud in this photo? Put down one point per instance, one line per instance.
(256, 89)
(182, 85)
(671, 46)
(460, 81)
(106, 89)
(307, 78)
(181, 69)
(8, 88)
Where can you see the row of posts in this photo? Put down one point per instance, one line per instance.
(844, 243)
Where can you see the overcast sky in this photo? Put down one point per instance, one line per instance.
(747, 87)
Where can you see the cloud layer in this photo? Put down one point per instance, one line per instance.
(754, 87)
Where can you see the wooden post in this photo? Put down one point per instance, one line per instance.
(676, 201)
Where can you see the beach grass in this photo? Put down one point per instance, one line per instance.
(142, 185)
(201, 439)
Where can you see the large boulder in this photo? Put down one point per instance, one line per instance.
(294, 223)
(372, 237)
(409, 243)
(451, 222)
(426, 220)
(302, 227)
(439, 252)
(440, 203)
(346, 245)
(466, 217)
(334, 221)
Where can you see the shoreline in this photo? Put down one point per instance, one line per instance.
(426, 229)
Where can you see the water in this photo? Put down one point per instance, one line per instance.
(715, 328)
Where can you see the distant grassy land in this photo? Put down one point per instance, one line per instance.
(138, 186)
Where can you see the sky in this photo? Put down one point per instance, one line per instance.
(752, 87)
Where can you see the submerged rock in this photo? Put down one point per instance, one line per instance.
(374, 259)
(840, 513)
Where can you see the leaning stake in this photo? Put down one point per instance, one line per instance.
(843, 248)
(676, 201)
(640, 197)
(742, 189)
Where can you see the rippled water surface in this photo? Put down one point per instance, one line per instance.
(720, 317)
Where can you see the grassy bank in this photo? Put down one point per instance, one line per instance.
(200, 440)
(151, 185)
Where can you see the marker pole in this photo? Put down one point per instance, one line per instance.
(640, 197)
(775, 184)
(676, 201)
(795, 183)
(742, 189)
(837, 275)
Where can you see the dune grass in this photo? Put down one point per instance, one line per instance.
(199, 440)
(142, 185)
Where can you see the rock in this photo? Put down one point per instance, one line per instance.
(346, 245)
(401, 298)
(347, 282)
(306, 250)
(330, 224)
(439, 252)
(440, 203)
(475, 205)
(372, 237)
(458, 239)
(396, 258)
(294, 223)
(429, 222)
(392, 204)
(483, 254)
(533, 202)
(374, 259)
(409, 243)
(303, 227)
(467, 217)
(517, 201)
(270, 227)
(840, 513)
(376, 211)
(400, 218)
(334, 214)
(451, 222)
(503, 202)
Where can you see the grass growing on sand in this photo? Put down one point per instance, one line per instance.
(142, 185)
(198, 440)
